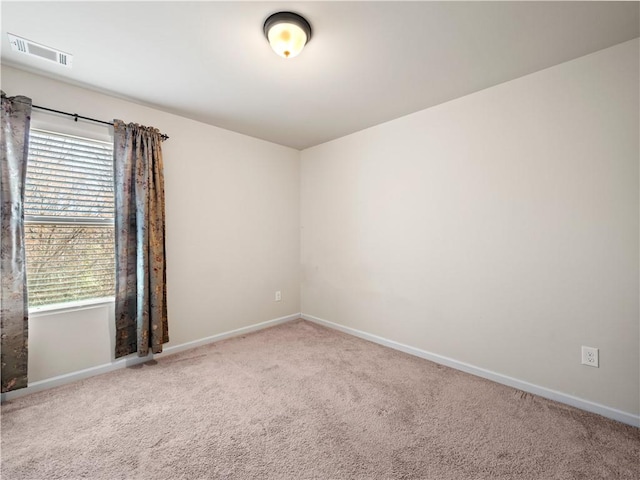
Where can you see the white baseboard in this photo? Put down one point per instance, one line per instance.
(233, 333)
(73, 377)
(620, 416)
(587, 405)
(134, 360)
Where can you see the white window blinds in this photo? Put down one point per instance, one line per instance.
(69, 219)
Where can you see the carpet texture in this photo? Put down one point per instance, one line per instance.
(299, 401)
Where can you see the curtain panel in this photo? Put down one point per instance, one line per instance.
(14, 313)
(141, 293)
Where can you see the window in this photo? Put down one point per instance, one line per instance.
(69, 219)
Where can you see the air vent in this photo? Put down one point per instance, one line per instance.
(37, 50)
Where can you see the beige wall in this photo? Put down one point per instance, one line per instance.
(232, 207)
(499, 229)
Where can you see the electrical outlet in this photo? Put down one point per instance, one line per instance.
(278, 296)
(590, 356)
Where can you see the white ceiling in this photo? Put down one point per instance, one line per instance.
(368, 62)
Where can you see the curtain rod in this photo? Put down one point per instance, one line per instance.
(76, 117)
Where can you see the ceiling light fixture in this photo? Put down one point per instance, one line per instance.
(287, 33)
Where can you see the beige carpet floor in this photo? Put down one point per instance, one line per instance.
(299, 401)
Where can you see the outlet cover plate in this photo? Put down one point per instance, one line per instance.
(590, 356)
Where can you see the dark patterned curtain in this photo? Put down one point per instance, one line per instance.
(14, 313)
(141, 293)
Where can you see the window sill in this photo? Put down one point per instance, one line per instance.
(70, 306)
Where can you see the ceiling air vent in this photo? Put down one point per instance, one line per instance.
(37, 50)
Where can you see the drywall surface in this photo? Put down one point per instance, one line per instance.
(499, 229)
(232, 220)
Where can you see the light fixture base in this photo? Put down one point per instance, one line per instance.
(287, 17)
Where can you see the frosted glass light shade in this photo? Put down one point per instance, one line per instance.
(287, 33)
(287, 39)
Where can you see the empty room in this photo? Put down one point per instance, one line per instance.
(320, 240)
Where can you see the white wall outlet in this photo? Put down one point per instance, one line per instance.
(278, 296)
(590, 356)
